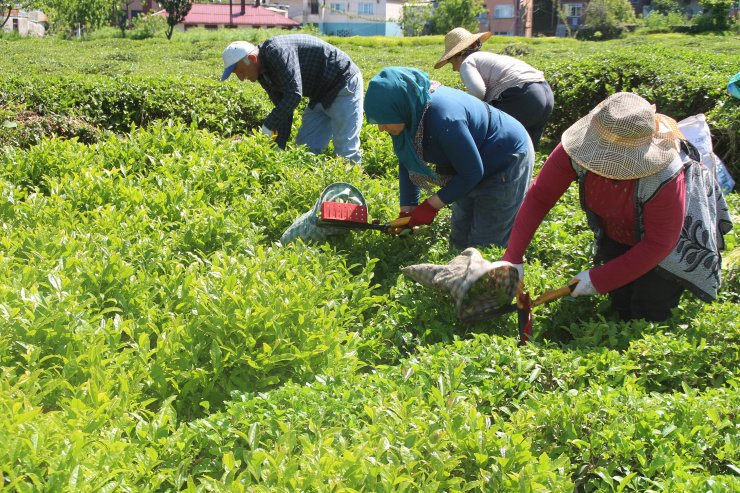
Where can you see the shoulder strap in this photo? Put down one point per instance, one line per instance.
(689, 149)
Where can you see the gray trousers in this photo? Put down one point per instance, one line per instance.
(486, 214)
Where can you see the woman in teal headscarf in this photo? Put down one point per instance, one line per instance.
(483, 158)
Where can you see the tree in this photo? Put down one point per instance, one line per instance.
(560, 9)
(120, 15)
(607, 19)
(415, 18)
(82, 14)
(665, 7)
(5, 9)
(716, 14)
(450, 14)
(176, 12)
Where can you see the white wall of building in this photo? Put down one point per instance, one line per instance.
(26, 23)
(352, 17)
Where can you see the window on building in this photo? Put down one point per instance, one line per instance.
(366, 9)
(314, 5)
(503, 11)
(503, 33)
(337, 7)
(573, 9)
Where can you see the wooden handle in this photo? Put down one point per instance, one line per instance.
(555, 294)
(399, 222)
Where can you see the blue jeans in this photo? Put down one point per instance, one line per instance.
(341, 122)
(486, 214)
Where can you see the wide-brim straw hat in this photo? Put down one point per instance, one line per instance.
(623, 138)
(457, 40)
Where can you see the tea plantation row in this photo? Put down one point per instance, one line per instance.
(154, 336)
(112, 83)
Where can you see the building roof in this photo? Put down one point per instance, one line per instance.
(212, 13)
(33, 15)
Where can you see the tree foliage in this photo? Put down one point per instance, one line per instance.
(416, 19)
(665, 7)
(450, 14)
(176, 12)
(120, 15)
(607, 19)
(716, 15)
(82, 14)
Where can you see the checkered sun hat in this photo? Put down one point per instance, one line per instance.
(623, 138)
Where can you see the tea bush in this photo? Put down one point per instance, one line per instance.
(114, 82)
(156, 336)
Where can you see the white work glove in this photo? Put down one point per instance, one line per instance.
(267, 131)
(584, 287)
(520, 269)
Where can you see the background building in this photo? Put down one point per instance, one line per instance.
(137, 7)
(332, 17)
(548, 22)
(234, 15)
(347, 17)
(508, 17)
(25, 23)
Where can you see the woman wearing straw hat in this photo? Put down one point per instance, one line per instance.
(504, 82)
(639, 188)
(483, 157)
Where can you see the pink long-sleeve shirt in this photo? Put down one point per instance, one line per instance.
(613, 203)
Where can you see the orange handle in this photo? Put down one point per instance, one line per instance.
(555, 294)
(399, 222)
(521, 296)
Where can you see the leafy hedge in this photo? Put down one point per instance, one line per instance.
(22, 128)
(155, 337)
(679, 85)
(116, 104)
(680, 77)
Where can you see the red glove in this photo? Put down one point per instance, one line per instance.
(423, 214)
(404, 213)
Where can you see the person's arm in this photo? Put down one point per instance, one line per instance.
(663, 219)
(409, 193)
(549, 185)
(473, 80)
(285, 73)
(274, 95)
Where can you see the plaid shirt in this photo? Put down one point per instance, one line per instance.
(297, 65)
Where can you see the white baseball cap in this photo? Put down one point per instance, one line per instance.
(233, 53)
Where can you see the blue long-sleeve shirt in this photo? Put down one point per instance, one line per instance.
(466, 138)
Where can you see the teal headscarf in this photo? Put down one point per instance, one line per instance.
(399, 95)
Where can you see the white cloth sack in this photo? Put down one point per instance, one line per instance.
(696, 131)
